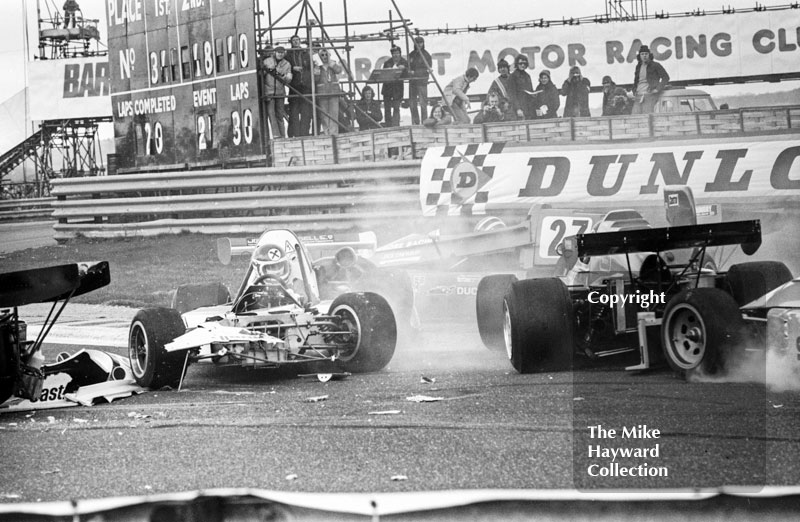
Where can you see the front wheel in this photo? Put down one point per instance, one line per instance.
(700, 331)
(538, 325)
(371, 329)
(152, 366)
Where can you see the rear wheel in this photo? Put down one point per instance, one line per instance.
(749, 281)
(372, 331)
(700, 331)
(538, 325)
(152, 366)
(489, 309)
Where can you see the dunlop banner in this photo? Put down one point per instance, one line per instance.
(474, 179)
(69, 88)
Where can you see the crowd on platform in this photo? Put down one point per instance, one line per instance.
(300, 76)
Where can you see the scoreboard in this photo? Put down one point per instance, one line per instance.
(184, 80)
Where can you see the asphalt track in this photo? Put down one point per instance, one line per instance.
(489, 427)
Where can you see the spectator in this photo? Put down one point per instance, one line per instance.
(326, 76)
(439, 116)
(547, 101)
(419, 63)
(520, 90)
(278, 75)
(490, 111)
(608, 93)
(724, 107)
(347, 114)
(300, 109)
(649, 80)
(506, 111)
(456, 94)
(618, 105)
(70, 8)
(500, 84)
(393, 91)
(368, 110)
(576, 90)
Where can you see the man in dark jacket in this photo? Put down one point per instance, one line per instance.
(419, 63)
(608, 93)
(393, 91)
(576, 90)
(649, 80)
(300, 108)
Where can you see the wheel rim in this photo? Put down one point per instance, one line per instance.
(507, 329)
(687, 337)
(137, 349)
(350, 322)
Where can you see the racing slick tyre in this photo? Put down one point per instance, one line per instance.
(192, 296)
(152, 366)
(749, 281)
(370, 343)
(538, 325)
(489, 309)
(700, 331)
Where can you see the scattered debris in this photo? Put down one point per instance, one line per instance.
(385, 412)
(398, 478)
(427, 380)
(291, 476)
(228, 392)
(424, 398)
(316, 399)
(137, 415)
(577, 398)
(777, 405)
(80, 421)
(325, 377)
(51, 472)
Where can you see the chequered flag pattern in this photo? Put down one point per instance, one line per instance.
(445, 200)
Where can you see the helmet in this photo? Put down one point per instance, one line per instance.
(272, 260)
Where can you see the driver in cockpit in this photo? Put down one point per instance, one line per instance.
(273, 265)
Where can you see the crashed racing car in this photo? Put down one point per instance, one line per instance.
(21, 359)
(276, 318)
(699, 317)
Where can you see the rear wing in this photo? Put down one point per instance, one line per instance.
(319, 246)
(745, 233)
(52, 283)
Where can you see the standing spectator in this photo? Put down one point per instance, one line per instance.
(300, 109)
(439, 116)
(393, 91)
(490, 111)
(520, 89)
(326, 76)
(419, 63)
(368, 110)
(456, 94)
(649, 80)
(608, 92)
(500, 84)
(70, 8)
(278, 75)
(547, 102)
(618, 105)
(576, 90)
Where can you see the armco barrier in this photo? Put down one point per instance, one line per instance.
(28, 209)
(306, 199)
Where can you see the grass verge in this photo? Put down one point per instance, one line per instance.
(144, 271)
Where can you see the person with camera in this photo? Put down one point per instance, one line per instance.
(576, 90)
